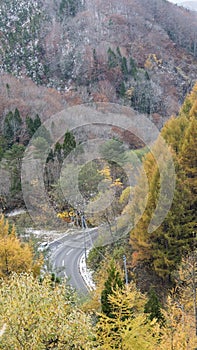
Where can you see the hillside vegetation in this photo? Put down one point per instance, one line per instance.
(156, 308)
(129, 59)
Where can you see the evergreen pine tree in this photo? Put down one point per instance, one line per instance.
(50, 157)
(153, 307)
(112, 59)
(12, 126)
(133, 68)
(118, 52)
(17, 115)
(124, 67)
(113, 282)
(30, 126)
(122, 89)
(13, 158)
(37, 122)
(69, 143)
(58, 152)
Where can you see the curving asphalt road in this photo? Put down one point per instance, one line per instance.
(66, 254)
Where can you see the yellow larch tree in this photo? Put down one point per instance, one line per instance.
(15, 256)
(128, 327)
(38, 315)
(179, 327)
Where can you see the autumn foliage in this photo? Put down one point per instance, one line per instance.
(164, 248)
(15, 256)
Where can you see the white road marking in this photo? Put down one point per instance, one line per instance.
(69, 251)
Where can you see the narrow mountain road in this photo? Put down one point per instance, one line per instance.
(66, 254)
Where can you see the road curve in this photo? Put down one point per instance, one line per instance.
(66, 254)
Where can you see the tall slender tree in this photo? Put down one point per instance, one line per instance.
(113, 282)
(164, 248)
(69, 143)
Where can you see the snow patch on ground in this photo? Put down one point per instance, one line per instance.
(47, 235)
(36, 232)
(16, 212)
(86, 273)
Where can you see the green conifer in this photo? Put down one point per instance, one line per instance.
(113, 282)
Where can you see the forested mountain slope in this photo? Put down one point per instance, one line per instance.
(136, 53)
(140, 53)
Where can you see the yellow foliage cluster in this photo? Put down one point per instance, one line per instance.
(129, 328)
(15, 256)
(193, 99)
(158, 247)
(179, 331)
(152, 60)
(116, 183)
(66, 215)
(129, 92)
(189, 108)
(37, 315)
(193, 94)
(106, 173)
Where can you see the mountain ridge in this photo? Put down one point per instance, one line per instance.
(190, 5)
